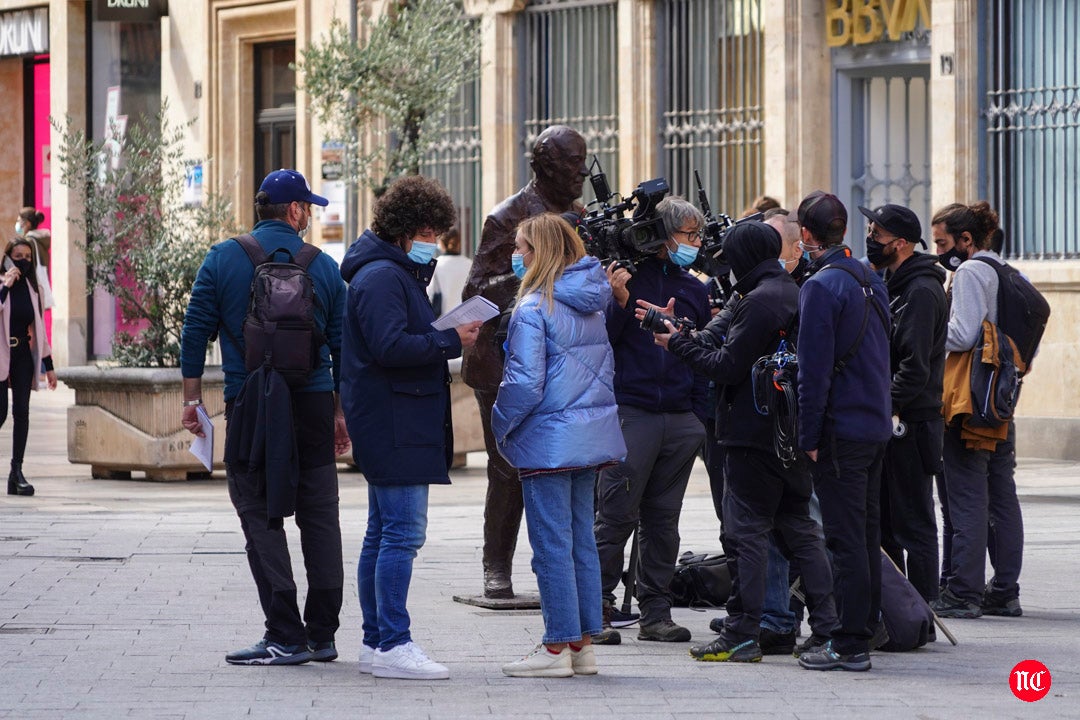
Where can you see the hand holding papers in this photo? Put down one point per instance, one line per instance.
(474, 309)
(203, 447)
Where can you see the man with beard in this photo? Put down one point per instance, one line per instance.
(920, 317)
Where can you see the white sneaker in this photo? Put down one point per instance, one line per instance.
(407, 662)
(584, 660)
(542, 663)
(367, 654)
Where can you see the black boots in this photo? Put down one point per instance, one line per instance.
(16, 483)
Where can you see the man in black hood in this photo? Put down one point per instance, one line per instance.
(920, 315)
(762, 496)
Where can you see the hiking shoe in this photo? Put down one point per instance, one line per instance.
(720, 650)
(825, 658)
(407, 662)
(950, 606)
(367, 655)
(542, 663)
(663, 631)
(717, 625)
(1000, 605)
(323, 651)
(267, 652)
(620, 619)
(810, 645)
(584, 660)
(607, 635)
(774, 643)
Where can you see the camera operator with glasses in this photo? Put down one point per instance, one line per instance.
(763, 497)
(660, 402)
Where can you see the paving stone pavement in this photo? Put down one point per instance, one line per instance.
(120, 599)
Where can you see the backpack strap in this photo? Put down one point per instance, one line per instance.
(253, 249)
(868, 293)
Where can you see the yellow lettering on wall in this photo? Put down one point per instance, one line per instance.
(865, 22)
(837, 24)
(903, 17)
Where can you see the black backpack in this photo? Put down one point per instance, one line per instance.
(280, 330)
(1022, 310)
(700, 580)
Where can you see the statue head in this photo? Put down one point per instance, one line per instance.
(558, 161)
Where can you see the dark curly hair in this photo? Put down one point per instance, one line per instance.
(979, 220)
(411, 204)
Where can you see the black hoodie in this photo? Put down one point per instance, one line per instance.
(768, 305)
(917, 347)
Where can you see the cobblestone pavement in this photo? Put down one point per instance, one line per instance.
(120, 599)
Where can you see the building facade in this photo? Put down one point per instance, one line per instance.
(920, 102)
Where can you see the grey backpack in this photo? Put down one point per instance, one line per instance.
(280, 329)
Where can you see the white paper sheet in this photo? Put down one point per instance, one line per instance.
(475, 308)
(203, 447)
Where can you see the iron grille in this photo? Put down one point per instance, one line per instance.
(711, 55)
(1032, 117)
(570, 65)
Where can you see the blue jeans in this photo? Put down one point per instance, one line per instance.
(776, 614)
(396, 529)
(559, 516)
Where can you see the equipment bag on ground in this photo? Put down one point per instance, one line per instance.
(701, 580)
(907, 617)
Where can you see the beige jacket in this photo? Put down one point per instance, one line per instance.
(39, 344)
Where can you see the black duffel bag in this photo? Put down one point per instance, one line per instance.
(701, 580)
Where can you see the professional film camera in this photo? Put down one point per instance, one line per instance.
(710, 259)
(612, 237)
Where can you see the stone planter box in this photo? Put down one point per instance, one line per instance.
(128, 419)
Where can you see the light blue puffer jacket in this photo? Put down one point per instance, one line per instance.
(556, 403)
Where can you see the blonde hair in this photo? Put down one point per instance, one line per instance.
(555, 246)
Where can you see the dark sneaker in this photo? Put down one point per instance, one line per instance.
(720, 650)
(607, 635)
(1000, 605)
(881, 636)
(717, 625)
(663, 631)
(810, 645)
(620, 619)
(267, 652)
(323, 651)
(825, 658)
(774, 643)
(950, 606)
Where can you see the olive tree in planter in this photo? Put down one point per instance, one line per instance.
(143, 245)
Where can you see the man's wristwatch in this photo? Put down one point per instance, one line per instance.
(192, 403)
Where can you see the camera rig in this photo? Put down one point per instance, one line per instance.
(612, 237)
(710, 259)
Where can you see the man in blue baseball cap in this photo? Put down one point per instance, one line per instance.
(219, 301)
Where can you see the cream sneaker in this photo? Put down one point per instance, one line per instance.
(584, 660)
(407, 662)
(542, 663)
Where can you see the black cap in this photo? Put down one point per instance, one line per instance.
(824, 216)
(898, 220)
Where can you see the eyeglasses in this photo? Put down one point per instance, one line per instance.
(808, 248)
(699, 234)
(876, 235)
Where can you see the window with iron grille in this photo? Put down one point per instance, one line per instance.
(570, 66)
(1032, 114)
(710, 55)
(455, 159)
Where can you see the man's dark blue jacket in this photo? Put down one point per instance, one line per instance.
(219, 299)
(854, 402)
(646, 375)
(395, 381)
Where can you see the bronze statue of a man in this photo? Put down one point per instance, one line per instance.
(558, 164)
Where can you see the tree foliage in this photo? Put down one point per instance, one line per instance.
(399, 85)
(143, 244)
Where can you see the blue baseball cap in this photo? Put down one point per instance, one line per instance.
(285, 186)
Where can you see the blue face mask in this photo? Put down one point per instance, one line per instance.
(422, 252)
(517, 262)
(783, 264)
(683, 255)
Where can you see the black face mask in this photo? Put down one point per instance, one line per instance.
(24, 266)
(952, 258)
(875, 253)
